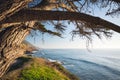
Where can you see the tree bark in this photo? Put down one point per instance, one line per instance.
(9, 7)
(32, 15)
(10, 40)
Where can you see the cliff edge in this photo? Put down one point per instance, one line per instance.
(32, 68)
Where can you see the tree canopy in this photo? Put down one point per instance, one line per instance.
(75, 11)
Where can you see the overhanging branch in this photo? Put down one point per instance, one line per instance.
(31, 15)
(9, 7)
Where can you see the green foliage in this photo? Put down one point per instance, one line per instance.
(41, 72)
(31, 68)
(42, 28)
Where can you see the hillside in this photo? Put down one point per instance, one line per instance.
(28, 46)
(29, 68)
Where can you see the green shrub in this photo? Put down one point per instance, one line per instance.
(41, 72)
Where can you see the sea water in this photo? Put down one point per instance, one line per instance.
(102, 64)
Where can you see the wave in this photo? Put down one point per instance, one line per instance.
(93, 64)
(87, 66)
(52, 60)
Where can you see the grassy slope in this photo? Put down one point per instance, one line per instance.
(28, 68)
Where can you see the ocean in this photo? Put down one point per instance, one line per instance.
(99, 64)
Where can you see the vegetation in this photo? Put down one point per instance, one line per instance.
(36, 72)
(38, 69)
(18, 18)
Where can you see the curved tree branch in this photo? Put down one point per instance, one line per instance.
(9, 7)
(33, 15)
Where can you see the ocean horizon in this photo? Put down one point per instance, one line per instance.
(97, 64)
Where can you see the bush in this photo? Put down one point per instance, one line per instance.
(41, 72)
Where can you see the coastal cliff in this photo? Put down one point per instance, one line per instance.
(32, 68)
(28, 46)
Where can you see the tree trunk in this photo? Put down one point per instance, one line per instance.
(10, 39)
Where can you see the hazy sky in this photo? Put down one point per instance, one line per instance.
(66, 42)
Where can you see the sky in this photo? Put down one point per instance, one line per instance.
(51, 42)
